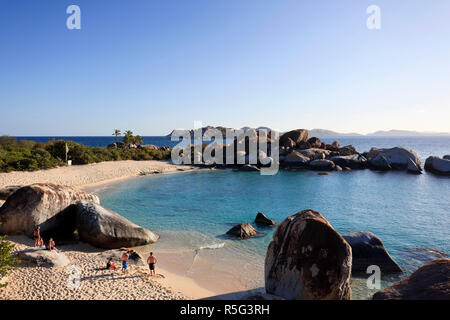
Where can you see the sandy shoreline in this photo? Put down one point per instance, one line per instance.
(38, 283)
(90, 174)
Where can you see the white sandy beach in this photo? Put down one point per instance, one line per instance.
(39, 283)
(90, 174)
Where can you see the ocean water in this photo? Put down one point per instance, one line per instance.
(192, 212)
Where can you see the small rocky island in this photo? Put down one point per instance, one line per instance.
(298, 151)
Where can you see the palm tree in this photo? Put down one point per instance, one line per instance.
(117, 133)
(128, 137)
(138, 140)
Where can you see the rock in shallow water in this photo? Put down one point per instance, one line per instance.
(368, 249)
(322, 165)
(243, 231)
(41, 205)
(399, 158)
(104, 228)
(429, 282)
(438, 166)
(262, 220)
(308, 259)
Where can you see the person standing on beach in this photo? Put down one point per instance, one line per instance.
(151, 260)
(125, 256)
(37, 236)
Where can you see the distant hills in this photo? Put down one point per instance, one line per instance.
(390, 133)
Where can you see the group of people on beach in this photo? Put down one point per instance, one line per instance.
(151, 261)
(50, 245)
(39, 241)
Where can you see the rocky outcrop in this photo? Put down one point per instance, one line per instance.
(308, 259)
(296, 159)
(43, 258)
(7, 191)
(354, 161)
(346, 151)
(104, 228)
(292, 138)
(438, 166)
(399, 158)
(325, 165)
(44, 205)
(315, 153)
(368, 249)
(262, 220)
(429, 282)
(446, 157)
(315, 142)
(243, 231)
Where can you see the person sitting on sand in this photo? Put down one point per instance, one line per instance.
(51, 246)
(125, 256)
(110, 265)
(37, 236)
(151, 260)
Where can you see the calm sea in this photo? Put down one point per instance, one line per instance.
(193, 211)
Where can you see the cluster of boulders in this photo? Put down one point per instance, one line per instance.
(64, 212)
(298, 150)
(308, 259)
(245, 230)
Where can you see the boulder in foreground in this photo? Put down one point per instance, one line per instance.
(43, 258)
(368, 249)
(243, 230)
(438, 166)
(7, 191)
(104, 228)
(43, 205)
(262, 220)
(429, 282)
(308, 260)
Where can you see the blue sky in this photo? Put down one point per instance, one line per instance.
(151, 66)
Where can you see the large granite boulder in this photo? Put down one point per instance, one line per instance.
(315, 153)
(243, 231)
(346, 150)
(399, 158)
(45, 205)
(295, 158)
(429, 282)
(438, 166)
(324, 165)
(297, 136)
(262, 220)
(7, 191)
(368, 249)
(446, 157)
(308, 259)
(104, 228)
(314, 142)
(43, 258)
(354, 161)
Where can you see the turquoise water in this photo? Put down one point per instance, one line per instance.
(193, 211)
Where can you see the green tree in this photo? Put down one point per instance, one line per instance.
(117, 133)
(128, 137)
(138, 140)
(7, 261)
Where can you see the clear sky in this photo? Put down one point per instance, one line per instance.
(154, 65)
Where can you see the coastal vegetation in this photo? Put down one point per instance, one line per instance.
(26, 155)
(7, 261)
